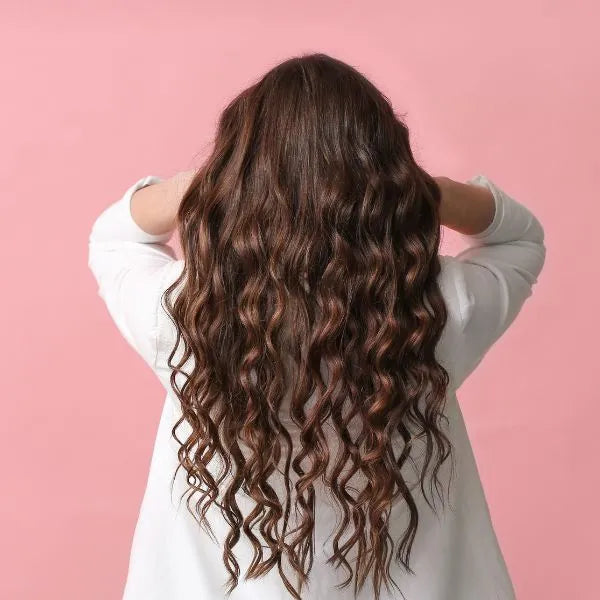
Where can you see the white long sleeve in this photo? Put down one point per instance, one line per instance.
(130, 266)
(494, 276)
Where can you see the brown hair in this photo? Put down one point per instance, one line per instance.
(310, 237)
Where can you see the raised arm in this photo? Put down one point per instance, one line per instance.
(154, 208)
(495, 274)
(466, 208)
(129, 257)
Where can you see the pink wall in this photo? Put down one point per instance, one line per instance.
(94, 98)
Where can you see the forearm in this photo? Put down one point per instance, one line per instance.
(154, 208)
(468, 209)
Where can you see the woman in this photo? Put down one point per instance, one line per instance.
(311, 342)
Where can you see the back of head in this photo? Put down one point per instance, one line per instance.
(310, 237)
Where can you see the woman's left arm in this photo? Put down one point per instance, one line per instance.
(130, 259)
(154, 208)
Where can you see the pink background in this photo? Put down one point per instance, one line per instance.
(95, 98)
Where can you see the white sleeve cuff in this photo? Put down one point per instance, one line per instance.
(483, 181)
(512, 221)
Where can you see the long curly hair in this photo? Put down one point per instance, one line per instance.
(310, 309)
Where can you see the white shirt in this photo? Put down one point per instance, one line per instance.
(455, 556)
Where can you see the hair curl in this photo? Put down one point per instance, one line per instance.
(310, 237)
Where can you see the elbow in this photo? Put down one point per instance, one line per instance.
(530, 270)
(542, 257)
(537, 240)
(93, 230)
(540, 241)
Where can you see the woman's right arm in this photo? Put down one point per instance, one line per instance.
(466, 208)
(495, 274)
